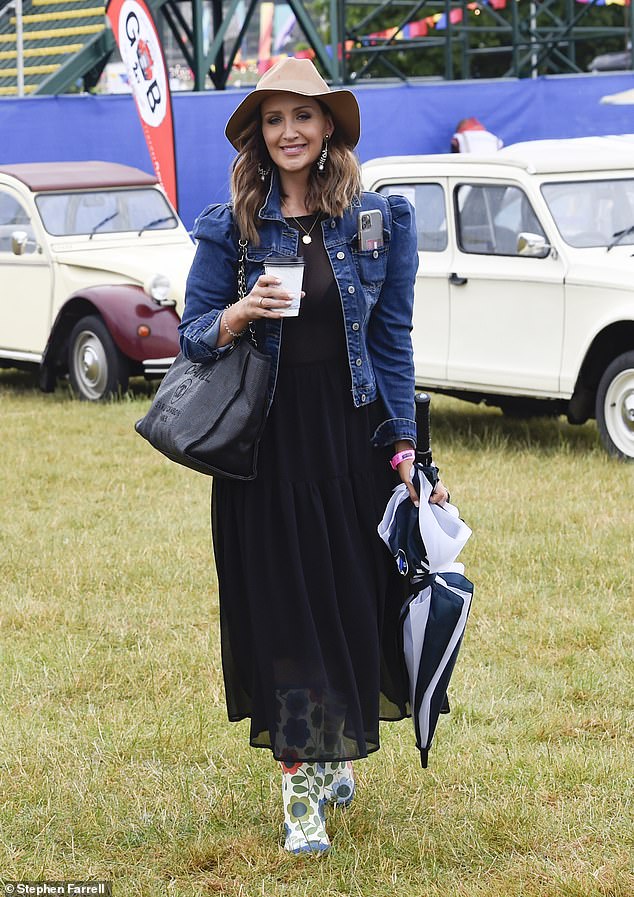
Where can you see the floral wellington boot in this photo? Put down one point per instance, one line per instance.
(304, 819)
(339, 785)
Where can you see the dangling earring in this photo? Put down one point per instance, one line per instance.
(321, 164)
(263, 172)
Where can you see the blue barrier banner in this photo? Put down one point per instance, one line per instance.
(397, 119)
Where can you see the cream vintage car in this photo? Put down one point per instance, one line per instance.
(93, 263)
(525, 287)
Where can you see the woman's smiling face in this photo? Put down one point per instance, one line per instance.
(293, 128)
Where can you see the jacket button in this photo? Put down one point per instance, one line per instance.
(351, 289)
(358, 362)
(363, 397)
(341, 255)
(375, 254)
(355, 326)
(333, 223)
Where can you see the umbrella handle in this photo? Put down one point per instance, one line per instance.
(423, 429)
(423, 438)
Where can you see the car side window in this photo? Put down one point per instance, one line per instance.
(431, 215)
(490, 218)
(13, 217)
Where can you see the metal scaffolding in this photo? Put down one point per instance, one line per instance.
(518, 39)
(355, 40)
(379, 39)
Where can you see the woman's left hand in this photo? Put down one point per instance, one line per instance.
(439, 496)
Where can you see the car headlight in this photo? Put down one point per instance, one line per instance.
(158, 287)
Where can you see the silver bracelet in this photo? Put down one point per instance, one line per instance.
(231, 332)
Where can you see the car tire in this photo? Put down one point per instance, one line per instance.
(96, 367)
(614, 407)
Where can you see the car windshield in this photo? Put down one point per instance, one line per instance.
(592, 213)
(105, 211)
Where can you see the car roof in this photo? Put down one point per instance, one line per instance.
(574, 154)
(42, 176)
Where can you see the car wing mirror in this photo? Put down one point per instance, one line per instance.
(19, 240)
(533, 245)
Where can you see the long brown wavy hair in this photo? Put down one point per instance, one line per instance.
(330, 193)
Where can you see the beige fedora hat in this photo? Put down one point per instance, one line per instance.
(298, 76)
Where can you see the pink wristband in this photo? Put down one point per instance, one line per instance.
(407, 455)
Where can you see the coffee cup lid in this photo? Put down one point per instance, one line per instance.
(281, 261)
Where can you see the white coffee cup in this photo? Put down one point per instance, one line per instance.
(290, 270)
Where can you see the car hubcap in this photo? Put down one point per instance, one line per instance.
(619, 412)
(91, 366)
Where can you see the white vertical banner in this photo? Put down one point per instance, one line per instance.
(142, 54)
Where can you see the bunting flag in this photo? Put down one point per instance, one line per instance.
(455, 16)
(142, 54)
(415, 29)
(284, 22)
(265, 60)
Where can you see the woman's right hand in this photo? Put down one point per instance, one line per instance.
(266, 300)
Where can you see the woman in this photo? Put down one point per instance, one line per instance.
(309, 599)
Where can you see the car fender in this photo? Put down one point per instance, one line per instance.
(594, 318)
(124, 309)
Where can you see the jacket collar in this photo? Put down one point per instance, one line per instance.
(272, 208)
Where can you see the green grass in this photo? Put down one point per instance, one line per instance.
(116, 759)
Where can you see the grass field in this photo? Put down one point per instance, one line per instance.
(116, 759)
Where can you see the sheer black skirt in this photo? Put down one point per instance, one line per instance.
(309, 595)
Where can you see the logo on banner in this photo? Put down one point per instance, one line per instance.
(142, 56)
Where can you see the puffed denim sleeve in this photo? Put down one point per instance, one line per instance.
(211, 283)
(389, 330)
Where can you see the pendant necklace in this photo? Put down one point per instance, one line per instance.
(306, 239)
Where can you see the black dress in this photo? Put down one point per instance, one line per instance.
(309, 595)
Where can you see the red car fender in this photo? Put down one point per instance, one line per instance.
(124, 309)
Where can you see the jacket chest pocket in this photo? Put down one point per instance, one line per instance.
(254, 266)
(371, 266)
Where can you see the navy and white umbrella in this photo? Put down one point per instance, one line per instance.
(425, 542)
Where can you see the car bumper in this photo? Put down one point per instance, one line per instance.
(156, 367)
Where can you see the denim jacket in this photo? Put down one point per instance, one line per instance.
(376, 289)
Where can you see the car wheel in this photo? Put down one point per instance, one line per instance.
(96, 367)
(615, 407)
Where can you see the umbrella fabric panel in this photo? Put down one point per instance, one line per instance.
(424, 539)
(415, 619)
(449, 603)
(403, 538)
(425, 543)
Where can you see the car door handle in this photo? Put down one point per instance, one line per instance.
(456, 281)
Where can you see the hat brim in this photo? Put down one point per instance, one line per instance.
(342, 105)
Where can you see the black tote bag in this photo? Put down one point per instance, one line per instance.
(210, 416)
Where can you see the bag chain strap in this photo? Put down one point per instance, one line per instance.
(242, 281)
(242, 277)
